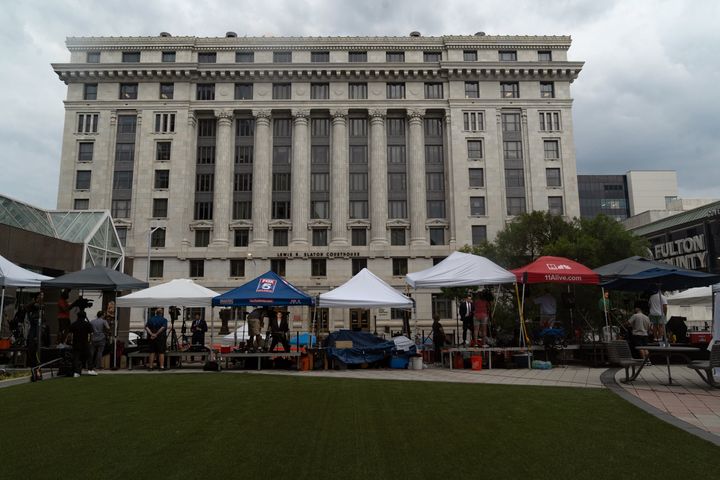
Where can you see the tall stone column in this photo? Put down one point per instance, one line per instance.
(416, 179)
(224, 169)
(339, 171)
(378, 180)
(262, 179)
(300, 203)
(450, 175)
(188, 173)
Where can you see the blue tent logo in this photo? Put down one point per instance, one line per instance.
(266, 285)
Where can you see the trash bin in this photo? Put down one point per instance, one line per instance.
(476, 362)
(416, 363)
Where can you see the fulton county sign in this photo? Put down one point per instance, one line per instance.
(689, 252)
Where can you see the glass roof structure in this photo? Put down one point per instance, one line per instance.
(92, 228)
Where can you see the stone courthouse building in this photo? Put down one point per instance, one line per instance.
(221, 158)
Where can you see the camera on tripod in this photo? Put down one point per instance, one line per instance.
(82, 303)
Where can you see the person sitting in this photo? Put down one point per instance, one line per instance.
(156, 329)
(279, 331)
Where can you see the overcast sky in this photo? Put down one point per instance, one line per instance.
(647, 98)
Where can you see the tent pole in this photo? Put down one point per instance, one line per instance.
(115, 334)
(236, 327)
(2, 309)
(212, 326)
(602, 289)
(314, 320)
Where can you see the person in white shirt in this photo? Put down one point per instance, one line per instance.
(658, 314)
(548, 309)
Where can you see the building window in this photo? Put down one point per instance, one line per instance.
(318, 267)
(472, 90)
(81, 204)
(479, 234)
(281, 91)
(358, 127)
(281, 182)
(237, 267)
(243, 182)
(156, 268)
(128, 91)
(397, 237)
(474, 149)
(436, 208)
(319, 57)
(357, 264)
(120, 208)
(130, 57)
(320, 182)
(395, 90)
(160, 208)
(396, 154)
(433, 90)
(204, 182)
(358, 237)
(242, 237)
(205, 91)
(435, 182)
(122, 180)
(168, 57)
(319, 209)
(206, 155)
(514, 177)
(437, 236)
(197, 268)
(202, 238)
(243, 91)
(162, 179)
(320, 127)
(512, 150)
(358, 154)
(124, 152)
(92, 57)
(282, 57)
(477, 206)
(515, 205)
(358, 209)
(162, 151)
(510, 122)
(85, 151)
(555, 205)
(242, 210)
(320, 91)
(434, 154)
(552, 149)
(552, 175)
(167, 91)
(207, 57)
(357, 57)
(245, 127)
(357, 91)
(433, 127)
(397, 182)
(550, 121)
(441, 306)
(509, 89)
(164, 123)
(244, 57)
(399, 266)
(432, 56)
(395, 57)
(277, 266)
(358, 182)
(547, 90)
(395, 127)
(203, 211)
(507, 55)
(206, 127)
(319, 237)
(473, 121)
(282, 127)
(281, 209)
(90, 91)
(544, 56)
(470, 56)
(122, 235)
(397, 209)
(477, 177)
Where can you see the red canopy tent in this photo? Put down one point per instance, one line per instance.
(552, 270)
(556, 270)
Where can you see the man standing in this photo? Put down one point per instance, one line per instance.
(156, 329)
(658, 314)
(63, 317)
(81, 330)
(548, 310)
(198, 328)
(100, 333)
(279, 330)
(640, 324)
(467, 315)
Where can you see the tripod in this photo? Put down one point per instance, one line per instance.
(173, 337)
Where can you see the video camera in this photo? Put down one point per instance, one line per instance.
(82, 303)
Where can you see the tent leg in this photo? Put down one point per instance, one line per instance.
(212, 331)
(2, 308)
(115, 335)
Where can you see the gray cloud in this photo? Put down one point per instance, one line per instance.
(646, 98)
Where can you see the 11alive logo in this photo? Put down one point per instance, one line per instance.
(266, 285)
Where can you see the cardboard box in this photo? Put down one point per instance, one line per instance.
(344, 344)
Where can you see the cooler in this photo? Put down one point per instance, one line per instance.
(700, 337)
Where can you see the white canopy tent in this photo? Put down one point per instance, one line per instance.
(460, 270)
(364, 290)
(12, 275)
(692, 296)
(180, 292)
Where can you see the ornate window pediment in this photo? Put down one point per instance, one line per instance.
(241, 225)
(280, 223)
(358, 224)
(319, 223)
(398, 223)
(436, 223)
(201, 225)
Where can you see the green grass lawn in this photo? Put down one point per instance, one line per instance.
(224, 425)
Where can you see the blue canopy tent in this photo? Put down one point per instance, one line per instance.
(266, 290)
(667, 279)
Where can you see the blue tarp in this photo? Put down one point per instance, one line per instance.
(302, 339)
(367, 348)
(269, 289)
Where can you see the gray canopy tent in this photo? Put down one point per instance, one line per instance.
(98, 278)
